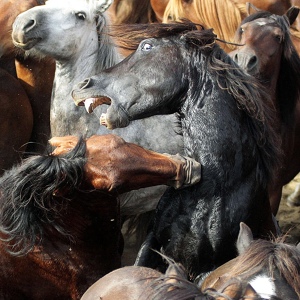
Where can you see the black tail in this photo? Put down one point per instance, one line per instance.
(28, 198)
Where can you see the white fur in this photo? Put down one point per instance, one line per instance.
(264, 286)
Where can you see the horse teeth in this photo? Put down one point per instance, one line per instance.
(103, 119)
(88, 103)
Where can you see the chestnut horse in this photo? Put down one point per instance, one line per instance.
(227, 124)
(262, 270)
(269, 54)
(59, 213)
(35, 73)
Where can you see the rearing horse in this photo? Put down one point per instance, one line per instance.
(227, 125)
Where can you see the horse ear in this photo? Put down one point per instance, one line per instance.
(101, 5)
(251, 9)
(244, 239)
(292, 14)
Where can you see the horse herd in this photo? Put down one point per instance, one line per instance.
(191, 117)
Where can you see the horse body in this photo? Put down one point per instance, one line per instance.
(57, 238)
(34, 73)
(77, 59)
(268, 54)
(196, 226)
(16, 120)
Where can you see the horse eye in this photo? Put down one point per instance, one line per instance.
(80, 15)
(146, 47)
(278, 37)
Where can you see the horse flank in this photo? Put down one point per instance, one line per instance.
(28, 196)
(250, 95)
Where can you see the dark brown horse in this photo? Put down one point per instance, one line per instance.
(263, 270)
(15, 120)
(269, 54)
(59, 214)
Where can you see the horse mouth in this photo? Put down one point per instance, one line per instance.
(28, 44)
(91, 103)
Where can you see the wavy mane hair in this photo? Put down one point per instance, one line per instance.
(223, 18)
(29, 200)
(272, 256)
(288, 83)
(249, 94)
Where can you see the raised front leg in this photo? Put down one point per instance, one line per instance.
(115, 165)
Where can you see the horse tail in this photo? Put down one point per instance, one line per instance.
(30, 196)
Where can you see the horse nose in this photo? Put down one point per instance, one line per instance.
(248, 62)
(86, 83)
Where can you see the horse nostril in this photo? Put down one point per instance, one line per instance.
(252, 62)
(236, 58)
(85, 83)
(30, 24)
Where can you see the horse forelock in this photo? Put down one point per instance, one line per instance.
(273, 258)
(28, 201)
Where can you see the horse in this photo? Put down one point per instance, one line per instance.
(234, 140)
(16, 120)
(274, 263)
(268, 53)
(86, 56)
(250, 275)
(57, 237)
(35, 74)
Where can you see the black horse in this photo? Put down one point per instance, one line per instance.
(227, 123)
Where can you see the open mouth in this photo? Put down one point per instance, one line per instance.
(91, 103)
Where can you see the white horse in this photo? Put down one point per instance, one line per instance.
(73, 32)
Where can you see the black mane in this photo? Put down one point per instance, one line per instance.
(28, 200)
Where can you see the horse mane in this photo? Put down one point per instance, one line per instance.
(28, 196)
(270, 255)
(174, 285)
(107, 52)
(250, 95)
(288, 83)
(211, 15)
